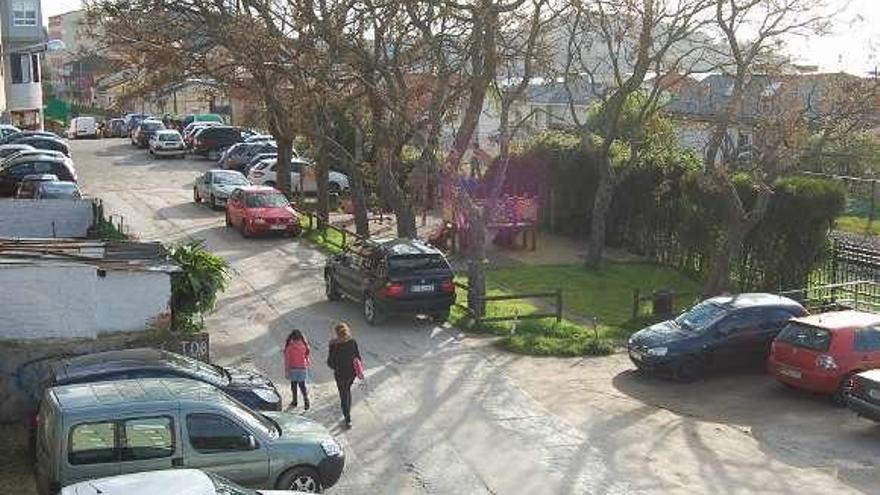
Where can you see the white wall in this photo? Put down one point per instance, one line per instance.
(35, 218)
(56, 300)
(131, 300)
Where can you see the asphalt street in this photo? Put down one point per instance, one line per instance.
(450, 414)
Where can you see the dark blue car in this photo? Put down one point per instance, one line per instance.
(251, 389)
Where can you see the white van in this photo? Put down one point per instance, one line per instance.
(83, 127)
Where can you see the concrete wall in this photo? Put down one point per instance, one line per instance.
(35, 218)
(131, 300)
(73, 301)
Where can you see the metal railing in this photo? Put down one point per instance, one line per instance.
(346, 236)
(863, 295)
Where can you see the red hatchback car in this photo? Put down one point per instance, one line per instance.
(822, 352)
(261, 210)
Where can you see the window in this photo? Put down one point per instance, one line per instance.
(92, 443)
(147, 438)
(24, 13)
(867, 339)
(211, 434)
(805, 336)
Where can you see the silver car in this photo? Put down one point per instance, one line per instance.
(215, 186)
(167, 482)
(93, 430)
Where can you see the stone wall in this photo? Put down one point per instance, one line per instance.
(45, 218)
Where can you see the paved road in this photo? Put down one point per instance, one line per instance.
(443, 413)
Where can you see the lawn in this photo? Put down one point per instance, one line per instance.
(857, 225)
(605, 294)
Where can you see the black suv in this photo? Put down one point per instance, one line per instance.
(212, 140)
(392, 276)
(721, 332)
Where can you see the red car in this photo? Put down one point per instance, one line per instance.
(822, 352)
(261, 210)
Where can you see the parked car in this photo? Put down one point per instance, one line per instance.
(190, 131)
(45, 143)
(250, 388)
(216, 185)
(28, 154)
(28, 185)
(302, 176)
(115, 128)
(15, 136)
(721, 332)
(6, 130)
(82, 127)
(12, 174)
(167, 143)
(57, 190)
(261, 210)
(202, 117)
(821, 353)
(7, 150)
(93, 430)
(240, 154)
(246, 170)
(132, 120)
(144, 131)
(166, 482)
(211, 141)
(392, 276)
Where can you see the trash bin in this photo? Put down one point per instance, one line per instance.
(663, 303)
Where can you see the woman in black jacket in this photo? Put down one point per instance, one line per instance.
(343, 353)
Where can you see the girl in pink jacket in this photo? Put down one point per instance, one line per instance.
(297, 361)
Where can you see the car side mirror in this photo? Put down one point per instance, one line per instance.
(251, 442)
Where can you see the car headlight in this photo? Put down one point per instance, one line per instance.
(331, 447)
(657, 351)
(266, 394)
(259, 220)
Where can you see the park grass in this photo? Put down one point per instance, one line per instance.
(605, 295)
(857, 225)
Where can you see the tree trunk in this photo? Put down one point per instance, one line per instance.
(282, 167)
(599, 217)
(386, 160)
(718, 281)
(322, 172)
(359, 200)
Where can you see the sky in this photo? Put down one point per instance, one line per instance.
(852, 46)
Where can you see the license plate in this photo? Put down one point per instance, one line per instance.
(422, 288)
(278, 227)
(790, 373)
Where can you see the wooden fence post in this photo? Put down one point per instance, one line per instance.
(558, 305)
(636, 301)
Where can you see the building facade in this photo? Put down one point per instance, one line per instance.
(21, 34)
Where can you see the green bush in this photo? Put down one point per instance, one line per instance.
(194, 291)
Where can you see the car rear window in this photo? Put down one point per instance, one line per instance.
(402, 264)
(152, 126)
(58, 190)
(806, 337)
(169, 137)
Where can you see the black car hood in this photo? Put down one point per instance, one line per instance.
(662, 333)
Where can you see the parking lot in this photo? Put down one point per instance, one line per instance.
(449, 413)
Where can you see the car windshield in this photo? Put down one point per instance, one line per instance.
(806, 336)
(399, 264)
(230, 179)
(152, 126)
(266, 201)
(223, 486)
(210, 373)
(701, 316)
(59, 190)
(169, 137)
(253, 418)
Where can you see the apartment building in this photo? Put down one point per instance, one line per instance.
(22, 42)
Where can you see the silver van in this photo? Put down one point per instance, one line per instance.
(94, 430)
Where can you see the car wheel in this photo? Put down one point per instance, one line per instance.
(302, 479)
(372, 313)
(843, 390)
(196, 198)
(688, 369)
(330, 288)
(440, 316)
